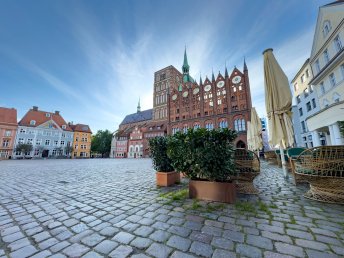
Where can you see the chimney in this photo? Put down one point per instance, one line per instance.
(57, 112)
(35, 108)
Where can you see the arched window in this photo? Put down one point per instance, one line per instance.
(131, 148)
(236, 125)
(196, 126)
(326, 28)
(185, 128)
(243, 125)
(209, 125)
(223, 124)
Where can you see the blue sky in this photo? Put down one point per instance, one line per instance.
(92, 60)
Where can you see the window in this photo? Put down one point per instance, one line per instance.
(32, 122)
(305, 92)
(29, 141)
(54, 152)
(322, 88)
(47, 115)
(336, 97)
(307, 73)
(223, 124)
(300, 112)
(311, 88)
(64, 126)
(302, 78)
(47, 142)
(219, 102)
(21, 140)
(36, 152)
(326, 56)
(342, 69)
(56, 142)
(338, 43)
(308, 105)
(326, 28)
(62, 143)
(197, 126)
(313, 103)
(7, 133)
(22, 130)
(209, 126)
(63, 135)
(298, 99)
(317, 66)
(303, 126)
(5, 143)
(76, 146)
(185, 129)
(296, 87)
(38, 142)
(332, 79)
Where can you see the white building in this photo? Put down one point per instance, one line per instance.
(327, 63)
(306, 104)
(47, 132)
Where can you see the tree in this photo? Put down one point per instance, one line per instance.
(341, 127)
(68, 150)
(101, 143)
(24, 148)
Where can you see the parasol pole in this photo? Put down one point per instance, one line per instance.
(284, 165)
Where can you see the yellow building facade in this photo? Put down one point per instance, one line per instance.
(81, 141)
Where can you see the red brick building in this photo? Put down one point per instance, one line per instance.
(180, 103)
(221, 102)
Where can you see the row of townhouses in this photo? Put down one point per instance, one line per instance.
(318, 86)
(47, 132)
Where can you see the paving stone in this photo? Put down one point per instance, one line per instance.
(184, 232)
(178, 242)
(289, 249)
(269, 254)
(26, 251)
(92, 240)
(92, 254)
(42, 254)
(222, 243)
(64, 235)
(143, 231)
(200, 237)
(277, 237)
(78, 228)
(139, 256)
(201, 249)
(106, 246)
(121, 251)
(311, 244)
(70, 222)
(234, 235)
(317, 254)
(123, 237)
(9, 231)
(178, 254)
(269, 228)
(41, 236)
(75, 250)
(160, 236)
(59, 246)
(159, 250)
(219, 253)
(12, 237)
(47, 243)
(141, 243)
(193, 225)
(77, 238)
(259, 241)
(19, 244)
(299, 234)
(210, 230)
(338, 250)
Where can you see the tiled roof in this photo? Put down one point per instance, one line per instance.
(8, 116)
(41, 117)
(138, 117)
(81, 128)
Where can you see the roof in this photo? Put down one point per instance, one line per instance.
(303, 67)
(8, 116)
(41, 117)
(80, 128)
(138, 117)
(334, 3)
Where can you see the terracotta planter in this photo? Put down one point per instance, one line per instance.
(212, 191)
(167, 178)
(182, 175)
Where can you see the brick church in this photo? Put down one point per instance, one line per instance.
(180, 103)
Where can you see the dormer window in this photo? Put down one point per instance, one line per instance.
(64, 127)
(326, 28)
(32, 122)
(47, 114)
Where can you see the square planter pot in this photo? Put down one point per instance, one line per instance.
(212, 191)
(167, 178)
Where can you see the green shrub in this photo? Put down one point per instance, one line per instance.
(203, 154)
(158, 153)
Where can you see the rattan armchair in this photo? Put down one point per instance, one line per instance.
(293, 153)
(323, 168)
(247, 168)
(271, 157)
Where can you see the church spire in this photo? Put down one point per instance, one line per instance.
(138, 106)
(212, 76)
(200, 79)
(226, 72)
(185, 66)
(245, 66)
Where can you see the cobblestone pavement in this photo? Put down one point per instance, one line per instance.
(112, 208)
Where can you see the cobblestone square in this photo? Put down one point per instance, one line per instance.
(112, 208)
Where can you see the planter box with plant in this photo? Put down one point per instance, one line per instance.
(207, 158)
(165, 175)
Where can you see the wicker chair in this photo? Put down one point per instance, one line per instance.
(247, 168)
(271, 157)
(323, 168)
(292, 154)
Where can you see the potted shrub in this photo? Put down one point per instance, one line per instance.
(165, 174)
(207, 158)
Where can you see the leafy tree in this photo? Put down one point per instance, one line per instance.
(23, 148)
(341, 127)
(68, 150)
(101, 142)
